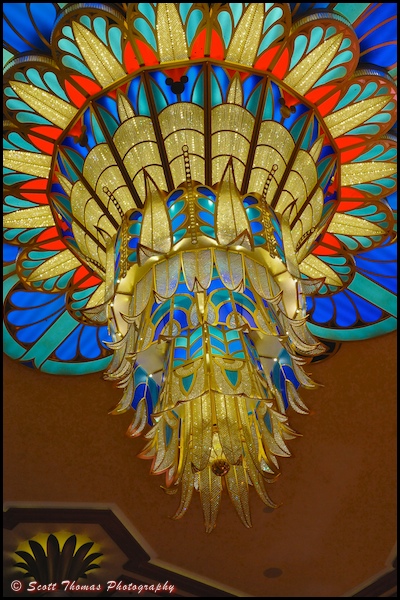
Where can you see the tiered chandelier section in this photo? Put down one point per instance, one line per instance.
(208, 169)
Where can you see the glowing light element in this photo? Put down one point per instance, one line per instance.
(198, 200)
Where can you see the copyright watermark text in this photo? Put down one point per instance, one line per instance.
(110, 586)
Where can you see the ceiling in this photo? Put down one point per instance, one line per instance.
(69, 467)
(334, 534)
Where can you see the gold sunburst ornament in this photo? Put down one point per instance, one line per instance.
(189, 188)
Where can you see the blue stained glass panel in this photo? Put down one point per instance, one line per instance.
(206, 192)
(89, 346)
(180, 353)
(22, 28)
(323, 309)
(346, 314)
(217, 344)
(174, 196)
(288, 371)
(10, 252)
(67, 350)
(196, 346)
(368, 312)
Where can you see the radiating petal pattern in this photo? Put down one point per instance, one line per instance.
(201, 200)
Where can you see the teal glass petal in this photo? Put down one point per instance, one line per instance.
(273, 34)
(143, 27)
(336, 73)
(70, 48)
(99, 27)
(53, 84)
(193, 22)
(225, 21)
(148, 11)
(299, 47)
(76, 65)
(115, 37)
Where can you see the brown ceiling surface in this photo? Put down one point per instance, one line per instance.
(335, 530)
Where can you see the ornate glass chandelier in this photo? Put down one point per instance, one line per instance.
(206, 192)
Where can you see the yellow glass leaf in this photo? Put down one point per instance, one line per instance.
(48, 105)
(91, 252)
(201, 431)
(314, 267)
(236, 482)
(354, 115)
(182, 124)
(231, 219)
(210, 486)
(89, 214)
(136, 143)
(187, 487)
(316, 148)
(258, 483)
(125, 109)
(125, 402)
(245, 42)
(170, 33)
(98, 58)
(289, 248)
(104, 176)
(29, 218)
(98, 297)
(142, 293)
(260, 279)
(230, 268)
(350, 225)
(110, 265)
(228, 430)
(275, 145)
(253, 450)
(197, 266)
(27, 162)
(235, 93)
(65, 184)
(232, 128)
(181, 116)
(308, 220)
(140, 419)
(294, 399)
(365, 172)
(169, 453)
(156, 231)
(300, 182)
(56, 265)
(166, 276)
(310, 69)
(270, 441)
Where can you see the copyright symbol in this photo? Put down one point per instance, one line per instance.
(16, 586)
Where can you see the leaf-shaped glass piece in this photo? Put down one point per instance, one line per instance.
(183, 183)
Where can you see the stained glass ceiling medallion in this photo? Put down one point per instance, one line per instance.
(200, 200)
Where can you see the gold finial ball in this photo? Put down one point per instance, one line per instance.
(220, 467)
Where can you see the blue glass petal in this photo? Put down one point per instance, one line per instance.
(88, 344)
(20, 28)
(367, 311)
(68, 349)
(10, 253)
(377, 30)
(323, 310)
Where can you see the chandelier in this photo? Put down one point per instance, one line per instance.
(198, 199)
